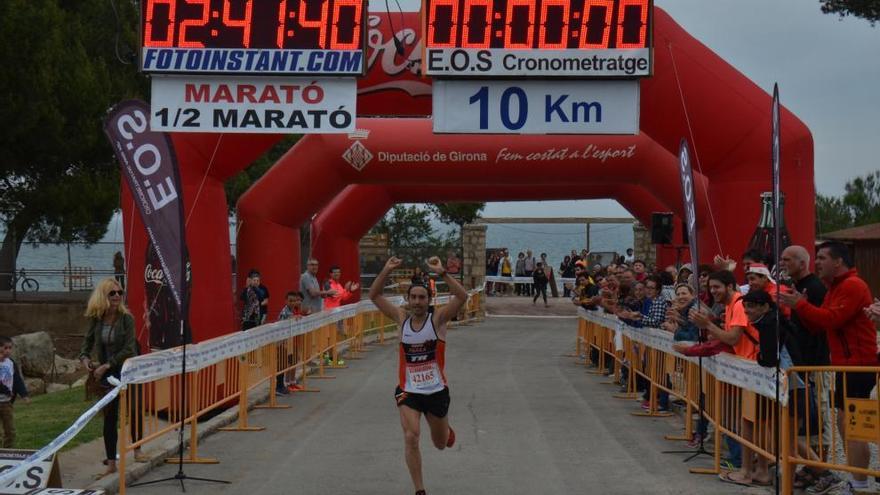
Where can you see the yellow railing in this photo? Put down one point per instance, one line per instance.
(150, 405)
(738, 408)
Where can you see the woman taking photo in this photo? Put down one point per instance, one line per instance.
(111, 339)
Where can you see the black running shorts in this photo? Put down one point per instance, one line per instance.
(858, 386)
(436, 404)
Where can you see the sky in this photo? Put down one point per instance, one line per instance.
(828, 72)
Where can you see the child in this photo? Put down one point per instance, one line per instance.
(293, 309)
(11, 386)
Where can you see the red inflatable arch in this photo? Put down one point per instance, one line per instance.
(727, 121)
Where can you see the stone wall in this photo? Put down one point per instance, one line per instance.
(474, 259)
(642, 246)
(64, 321)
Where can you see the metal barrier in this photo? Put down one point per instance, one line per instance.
(221, 377)
(739, 398)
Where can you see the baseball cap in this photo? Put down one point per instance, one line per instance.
(760, 269)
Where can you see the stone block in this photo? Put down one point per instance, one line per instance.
(34, 353)
(35, 386)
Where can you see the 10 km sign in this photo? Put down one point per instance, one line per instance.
(536, 107)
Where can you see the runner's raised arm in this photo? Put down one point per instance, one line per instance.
(459, 294)
(376, 291)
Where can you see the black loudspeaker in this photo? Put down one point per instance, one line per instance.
(661, 228)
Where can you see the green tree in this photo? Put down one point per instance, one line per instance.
(411, 234)
(66, 63)
(865, 9)
(242, 181)
(831, 214)
(458, 214)
(863, 198)
(860, 205)
(405, 226)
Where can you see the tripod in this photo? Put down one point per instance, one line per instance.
(701, 449)
(180, 475)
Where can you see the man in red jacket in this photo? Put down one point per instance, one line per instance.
(852, 337)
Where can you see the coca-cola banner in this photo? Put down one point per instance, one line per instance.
(149, 166)
(161, 314)
(690, 215)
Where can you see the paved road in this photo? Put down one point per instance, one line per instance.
(529, 421)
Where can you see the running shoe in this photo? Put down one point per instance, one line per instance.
(694, 442)
(842, 488)
(295, 387)
(281, 391)
(824, 485)
(646, 405)
(450, 441)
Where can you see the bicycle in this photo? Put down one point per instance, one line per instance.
(28, 284)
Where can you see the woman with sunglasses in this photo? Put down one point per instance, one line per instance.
(111, 337)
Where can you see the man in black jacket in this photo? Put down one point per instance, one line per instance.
(814, 346)
(796, 261)
(539, 276)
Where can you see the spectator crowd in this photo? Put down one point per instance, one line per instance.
(825, 318)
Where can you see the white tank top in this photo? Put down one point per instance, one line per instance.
(422, 359)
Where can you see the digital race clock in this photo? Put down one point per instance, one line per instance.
(295, 37)
(571, 38)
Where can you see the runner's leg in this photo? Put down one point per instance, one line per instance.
(439, 430)
(409, 420)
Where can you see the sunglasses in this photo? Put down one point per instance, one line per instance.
(115, 293)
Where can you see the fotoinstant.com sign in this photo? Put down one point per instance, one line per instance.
(536, 107)
(253, 104)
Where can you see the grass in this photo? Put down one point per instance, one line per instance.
(50, 414)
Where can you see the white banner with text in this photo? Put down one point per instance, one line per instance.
(273, 105)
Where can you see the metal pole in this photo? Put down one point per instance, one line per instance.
(588, 238)
(14, 263)
(69, 270)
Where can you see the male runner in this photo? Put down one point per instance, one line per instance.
(422, 385)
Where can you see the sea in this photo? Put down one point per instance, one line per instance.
(46, 263)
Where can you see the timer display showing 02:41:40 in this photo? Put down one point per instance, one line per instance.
(538, 24)
(266, 24)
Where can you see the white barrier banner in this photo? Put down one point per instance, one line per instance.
(52, 447)
(166, 363)
(726, 367)
(149, 367)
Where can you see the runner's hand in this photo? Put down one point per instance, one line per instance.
(393, 263)
(354, 287)
(436, 265)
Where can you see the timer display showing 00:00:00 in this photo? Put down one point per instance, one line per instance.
(511, 24)
(318, 25)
